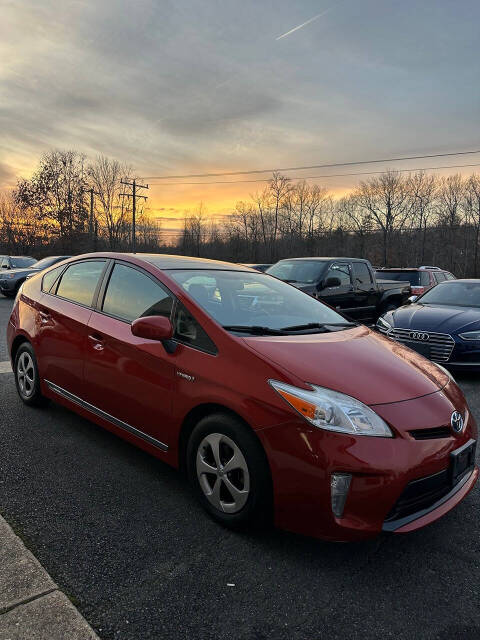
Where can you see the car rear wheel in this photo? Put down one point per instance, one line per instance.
(27, 379)
(228, 470)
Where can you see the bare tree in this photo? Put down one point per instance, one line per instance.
(386, 199)
(111, 209)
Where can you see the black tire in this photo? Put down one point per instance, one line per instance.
(27, 379)
(253, 510)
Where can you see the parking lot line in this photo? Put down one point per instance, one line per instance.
(5, 367)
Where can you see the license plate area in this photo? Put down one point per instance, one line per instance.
(420, 347)
(462, 460)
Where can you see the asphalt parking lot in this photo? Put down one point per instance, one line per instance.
(121, 534)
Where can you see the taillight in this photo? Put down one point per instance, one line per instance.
(418, 290)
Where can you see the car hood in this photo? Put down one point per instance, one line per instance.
(17, 272)
(358, 362)
(436, 318)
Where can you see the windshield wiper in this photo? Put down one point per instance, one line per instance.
(318, 325)
(255, 330)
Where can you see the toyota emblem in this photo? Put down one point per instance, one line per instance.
(419, 335)
(456, 421)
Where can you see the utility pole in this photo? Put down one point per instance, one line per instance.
(134, 195)
(91, 218)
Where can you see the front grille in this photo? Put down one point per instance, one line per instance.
(439, 345)
(421, 494)
(430, 434)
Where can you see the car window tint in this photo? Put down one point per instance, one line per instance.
(79, 281)
(50, 278)
(340, 270)
(187, 330)
(361, 273)
(450, 276)
(439, 276)
(131, 294)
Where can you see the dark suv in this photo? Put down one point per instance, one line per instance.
(421, 278)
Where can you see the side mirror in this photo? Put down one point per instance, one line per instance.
(332, 282)
(411, 299)
(152, 328)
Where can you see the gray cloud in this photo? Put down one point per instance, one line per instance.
(179, 85)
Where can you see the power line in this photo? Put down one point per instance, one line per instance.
(313, 166)
(331, 175)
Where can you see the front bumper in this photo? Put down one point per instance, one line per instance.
(302, 459)
(8, 286)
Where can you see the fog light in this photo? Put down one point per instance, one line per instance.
(339, 485)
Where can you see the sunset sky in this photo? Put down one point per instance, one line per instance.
(181, 87)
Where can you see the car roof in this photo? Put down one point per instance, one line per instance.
(460, 280)
(320, 258)
(165, 261)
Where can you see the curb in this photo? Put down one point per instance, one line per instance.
(32, 607)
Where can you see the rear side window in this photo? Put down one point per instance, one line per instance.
(79, 281)
(131, 294)
(424, 278)
(449, 276)
(439, 276)
(361, 273)
(50, 278)
(188, 331)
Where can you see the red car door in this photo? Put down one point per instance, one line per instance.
(127, 377)
(63, 312)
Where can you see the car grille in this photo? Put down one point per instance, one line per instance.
(421, 494)
(440, 345)
(430, 434)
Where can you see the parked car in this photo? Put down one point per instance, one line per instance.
(258, 267)
(443, 324)
(15, 262)
(271, 401)
(11, 280)
(347, 284)
(421, 278)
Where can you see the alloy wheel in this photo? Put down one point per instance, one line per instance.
(26, 374)
(222, 473)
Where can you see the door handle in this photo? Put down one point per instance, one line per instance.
(97, 339)
(44, 317)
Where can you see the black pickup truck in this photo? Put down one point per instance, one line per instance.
(347, 284)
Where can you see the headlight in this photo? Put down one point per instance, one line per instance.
(333, 411)
(383, 325)
(470, 335)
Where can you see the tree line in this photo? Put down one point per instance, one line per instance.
(392, 219)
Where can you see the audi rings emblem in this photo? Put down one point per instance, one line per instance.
(419, 335)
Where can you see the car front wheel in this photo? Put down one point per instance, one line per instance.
(228, 469)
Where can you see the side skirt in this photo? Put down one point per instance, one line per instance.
(106, 416)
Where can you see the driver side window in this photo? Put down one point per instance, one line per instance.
(340, 270)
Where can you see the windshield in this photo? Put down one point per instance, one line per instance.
(21, 262)
(242, 298)
(415, 278)
(454, 293)
(307, 271)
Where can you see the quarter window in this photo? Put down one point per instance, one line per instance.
(79, 281)
(131, 294)
(49, 279)
(188, 331)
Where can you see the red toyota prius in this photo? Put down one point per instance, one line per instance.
(273, 403)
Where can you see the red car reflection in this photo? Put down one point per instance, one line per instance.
(274, 404)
